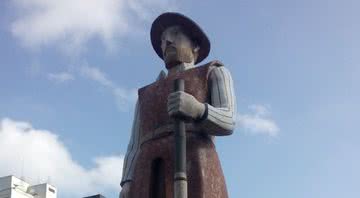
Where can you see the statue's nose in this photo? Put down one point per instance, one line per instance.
(168, 43)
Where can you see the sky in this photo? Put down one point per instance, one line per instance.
(69, 71)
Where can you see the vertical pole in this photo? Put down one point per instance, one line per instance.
(180, 178)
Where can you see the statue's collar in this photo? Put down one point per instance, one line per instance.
(180, 67)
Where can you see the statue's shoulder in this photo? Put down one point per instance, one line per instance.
(214, 63)
(162, 75)
(207, 66)
(212, 66)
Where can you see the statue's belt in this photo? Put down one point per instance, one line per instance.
(166, 130)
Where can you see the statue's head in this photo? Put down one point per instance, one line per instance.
(177, 39)
(177, 47)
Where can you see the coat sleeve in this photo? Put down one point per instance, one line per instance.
(133, 149)
(219, 116)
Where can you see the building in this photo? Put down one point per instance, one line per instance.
(96, 196)
(12, 187)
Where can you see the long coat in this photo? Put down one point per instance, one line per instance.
(153, 162)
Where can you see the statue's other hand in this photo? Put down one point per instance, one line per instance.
(184, 105)
(125, 190)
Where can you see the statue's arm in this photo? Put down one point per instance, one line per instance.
(219, 116)
(132, 150)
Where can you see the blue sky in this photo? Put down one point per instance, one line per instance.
(69, 71)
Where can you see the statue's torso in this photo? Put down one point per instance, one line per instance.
(205, 177)
(153, 97)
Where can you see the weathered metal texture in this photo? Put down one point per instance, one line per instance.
(205, 177)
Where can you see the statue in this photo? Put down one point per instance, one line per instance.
(207, 105)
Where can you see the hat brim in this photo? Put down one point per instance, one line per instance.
(193, 30)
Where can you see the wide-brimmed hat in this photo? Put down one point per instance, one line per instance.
(192, 29)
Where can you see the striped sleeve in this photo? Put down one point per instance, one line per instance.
(219, 117)
(132, 150)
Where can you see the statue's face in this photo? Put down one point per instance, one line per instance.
(177, 47)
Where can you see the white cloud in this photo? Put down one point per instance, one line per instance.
(60, 77)
(145, 9)
(96, 75)
(258, 121)
(71, 23)
(124, 98)
(44, 156)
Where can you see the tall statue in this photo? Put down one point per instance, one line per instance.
(207, 106)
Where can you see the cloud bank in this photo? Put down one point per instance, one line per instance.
(71, 23)
(258, 121)
(45, 156)
(124, 98)
(60, 77)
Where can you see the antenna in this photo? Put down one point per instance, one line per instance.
(22, 169)
(49, 180)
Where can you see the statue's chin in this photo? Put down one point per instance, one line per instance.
(171, 64)
(173, 59)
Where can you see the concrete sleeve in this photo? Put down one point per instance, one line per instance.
(219, 117)
(133, 149)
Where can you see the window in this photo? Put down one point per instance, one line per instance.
(51, 190)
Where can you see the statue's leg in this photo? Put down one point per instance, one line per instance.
(153, 170)
(141, 180)
(157, 185)
(153, 176)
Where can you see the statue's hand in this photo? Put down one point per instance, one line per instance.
(125, 190)
(184, 105)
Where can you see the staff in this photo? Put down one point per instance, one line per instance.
(180, 178)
